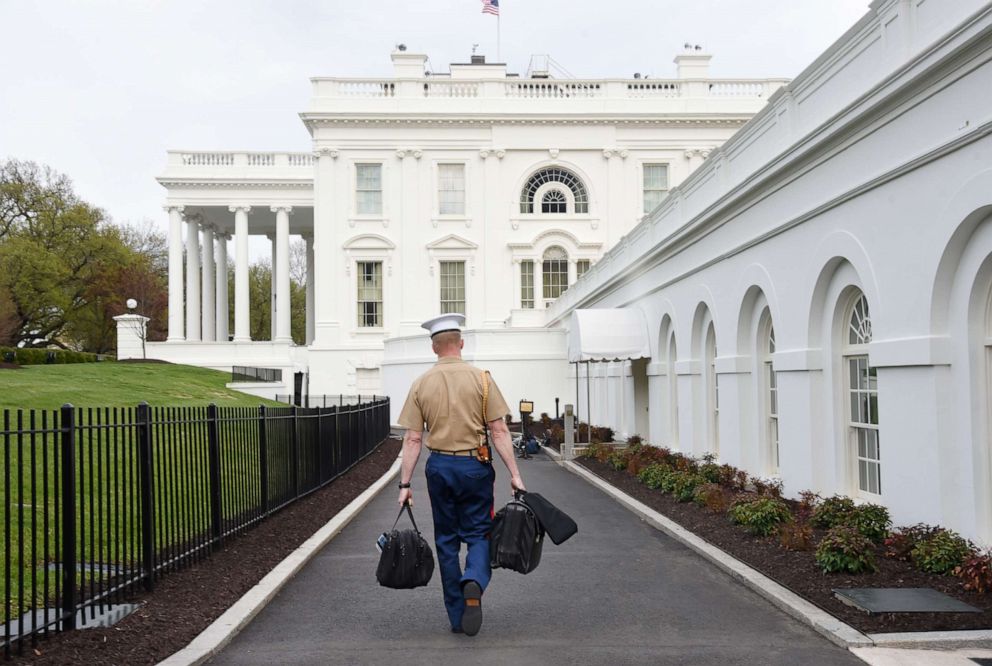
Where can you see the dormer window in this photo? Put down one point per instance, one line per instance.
(554, 202)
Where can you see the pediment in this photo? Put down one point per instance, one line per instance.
(452, 242)
(369, 242)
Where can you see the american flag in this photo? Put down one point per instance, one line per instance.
(490, 7)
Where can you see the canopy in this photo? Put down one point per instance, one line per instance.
(618, 334)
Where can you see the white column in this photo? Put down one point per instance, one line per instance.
(326, 272)
(223, 312)
(242, 326)
(176, 330)
(310, 288)
(284, 332)
(192, 280)
(273, 306)
(573, 270)
(209, 291)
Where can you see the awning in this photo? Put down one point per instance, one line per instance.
(608, 335)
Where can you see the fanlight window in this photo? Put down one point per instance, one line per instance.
(554, 175)
(554, 202)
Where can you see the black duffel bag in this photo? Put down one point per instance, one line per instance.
(406, 561)
(517, 538)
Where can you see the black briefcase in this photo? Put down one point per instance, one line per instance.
(558, 524)
(516, 539)
(406, 561)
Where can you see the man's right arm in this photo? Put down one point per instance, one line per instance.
(504, 445)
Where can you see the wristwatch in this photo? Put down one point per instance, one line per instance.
(404, 485)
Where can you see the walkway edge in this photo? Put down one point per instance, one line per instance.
(212, 639)
(833, 629)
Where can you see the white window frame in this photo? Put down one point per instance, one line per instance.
(861, 396)
(382, 295)
(668, 184)
(673, 391)
(712, 387)
(588, 264)
(528, 304)
(464, 287)
(466, 172)
(770, 386)
(544, 283)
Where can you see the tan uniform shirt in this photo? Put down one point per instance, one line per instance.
(448, 399)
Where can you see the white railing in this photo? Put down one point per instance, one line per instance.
(208, 159)
(240, 159)
(451, 89)
(431, 87)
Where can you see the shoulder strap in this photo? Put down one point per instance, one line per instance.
(485, 395)
(406, 507)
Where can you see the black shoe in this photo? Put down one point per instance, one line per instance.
(472, 618)
(457, 630)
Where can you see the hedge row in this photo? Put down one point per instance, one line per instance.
(24, 356)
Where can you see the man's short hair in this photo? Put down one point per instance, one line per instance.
(446, 339)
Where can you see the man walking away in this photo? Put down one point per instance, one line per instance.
(448, 399)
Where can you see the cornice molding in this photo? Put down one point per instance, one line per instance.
(647, 121)
(240, 185)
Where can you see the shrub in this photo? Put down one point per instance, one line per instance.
(807, 503)
(713, 496)
(872, 520)
(899, 544)
(832, 512)
(618, 459)
(685, 484)
(797, 535)
(941, 552)
(976, 572)
(844, 549)
(654, 475)
(760, 515)
(710, 471)
(31, 356)
(767, 487)
(635, 439)
(732, 478)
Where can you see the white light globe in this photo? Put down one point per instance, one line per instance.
(131, 304)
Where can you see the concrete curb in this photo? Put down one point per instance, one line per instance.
(977, 638)
(212, 639)
(833, 629)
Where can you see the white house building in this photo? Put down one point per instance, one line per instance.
(817, 297)
(477, 191)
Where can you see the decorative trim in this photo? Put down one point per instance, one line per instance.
(235, 209)
(553, 152)
(235, 184)
(179, 208)
(326, 151)
(653, 121)
(276, 209)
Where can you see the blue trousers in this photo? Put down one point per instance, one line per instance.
(461, 492)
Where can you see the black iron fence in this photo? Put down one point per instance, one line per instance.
(241, 373)
(329, 400)
(100, 502)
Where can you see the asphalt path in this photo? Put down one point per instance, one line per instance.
(618, 592)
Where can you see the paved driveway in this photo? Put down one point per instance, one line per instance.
(619, 592)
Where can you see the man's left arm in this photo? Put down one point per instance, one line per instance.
(412, 442)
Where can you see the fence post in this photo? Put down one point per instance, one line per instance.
(320, 447)
(263, 459)
(296, 454)
(147, 506)
(68, 427)
(213, 451)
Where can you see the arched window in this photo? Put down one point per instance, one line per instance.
(771, 396)
(554, 175)
(554, 272)
(554, 202)
(862, 403)
(712, 390)
(673, 392)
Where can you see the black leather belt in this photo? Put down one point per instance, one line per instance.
(465, 452)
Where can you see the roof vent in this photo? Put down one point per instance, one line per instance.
(478, 60)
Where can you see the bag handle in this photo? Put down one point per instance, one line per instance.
(406, 507)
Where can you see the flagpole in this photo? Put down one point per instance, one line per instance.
(498, 58)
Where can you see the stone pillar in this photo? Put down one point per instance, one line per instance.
(325, 310)
(131, 338)
(223, 311)
(284, 332)
(614, 194)
(208, 320)
(273, 306)
(176, 330)
(310, 288)
(492, 216)
(242, 325)
(192, 280)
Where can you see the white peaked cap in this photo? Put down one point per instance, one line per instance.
(447, 322)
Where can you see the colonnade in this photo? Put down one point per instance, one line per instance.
(202, 316)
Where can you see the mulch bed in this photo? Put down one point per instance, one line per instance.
(185, 603)
(4, 365)
(798, 570)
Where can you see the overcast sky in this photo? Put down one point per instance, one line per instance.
(100, 89)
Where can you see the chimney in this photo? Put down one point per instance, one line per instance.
(694, 65)
(408, 65)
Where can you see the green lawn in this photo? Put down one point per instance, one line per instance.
(110, 384)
